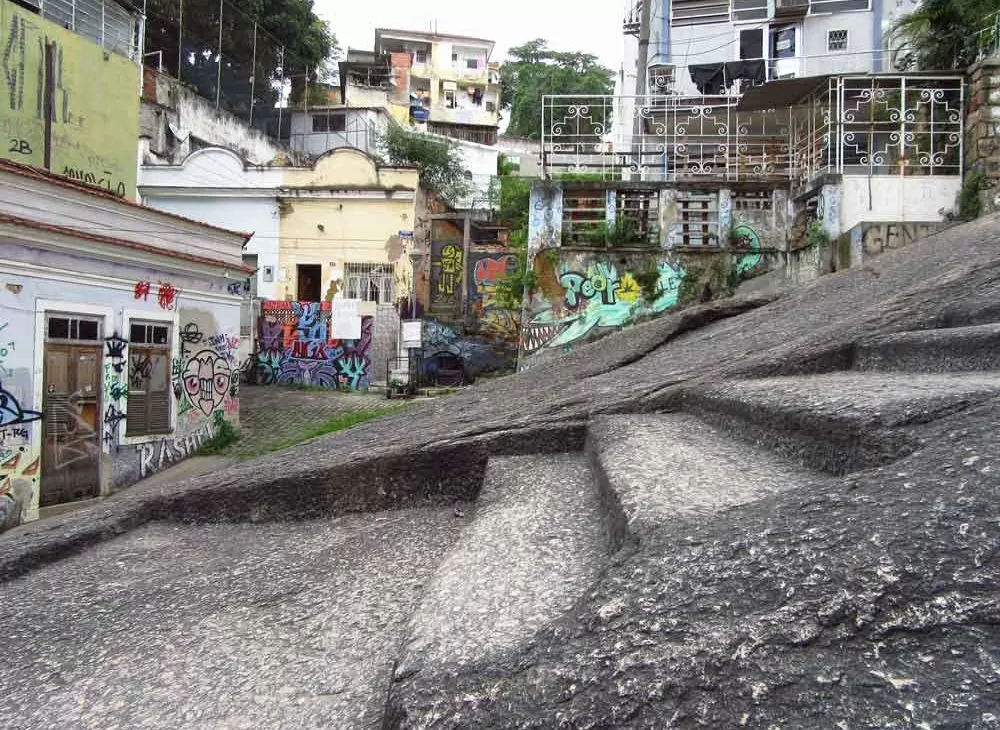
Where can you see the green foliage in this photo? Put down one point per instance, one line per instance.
(535, 70)
(941, 35)
(308, 42)
(816, 235)
(515, 200)
(970, 203)
(623, 231)
(225, 436)
(439, 161)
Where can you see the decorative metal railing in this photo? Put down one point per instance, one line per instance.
(874, 124)
(662, 138)
(881, 125)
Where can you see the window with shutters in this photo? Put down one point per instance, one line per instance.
(148, 379)
(696, 12)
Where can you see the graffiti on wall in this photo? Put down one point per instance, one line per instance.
(156, 455)
(597, 296)
(447, 263)
(746, 239)
(11, 412)
(93, 91)
(115, 389)
(487, 270)
(205, 377)
(19, 473)
(166, 293)
(6, 350)
(297, 348)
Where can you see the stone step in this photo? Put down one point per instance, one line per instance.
(674, 465)
(932, 351)
(842, 421)
(534, 545)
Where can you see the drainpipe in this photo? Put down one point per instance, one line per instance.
(877, 36)
(640, 78)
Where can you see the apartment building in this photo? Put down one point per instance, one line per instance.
(715, 47)
(450, 77)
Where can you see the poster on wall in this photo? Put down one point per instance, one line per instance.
(346, 322)
(412, 334)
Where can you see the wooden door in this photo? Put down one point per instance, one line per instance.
(71, 407)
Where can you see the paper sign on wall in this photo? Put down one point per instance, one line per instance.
(412, 334)
(346, 322)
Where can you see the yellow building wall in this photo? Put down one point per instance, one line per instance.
(345, 228)
(95, 132)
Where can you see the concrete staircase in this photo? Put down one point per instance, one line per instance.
(378, 612)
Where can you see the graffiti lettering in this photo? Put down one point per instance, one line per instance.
(451, 270)
(600, 281)
(190, 335)
(140, 370)
(142, 290)
(20, 147)
(153, 457)
(5, 351)
(114, 348)
(295, 348)
(236, 288)
(113, 417)
(599, 298)
(100, 180)
(166, 296)
(72, 436)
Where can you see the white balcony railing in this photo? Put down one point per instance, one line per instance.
(873, 124)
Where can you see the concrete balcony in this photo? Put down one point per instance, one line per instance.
(478, 116)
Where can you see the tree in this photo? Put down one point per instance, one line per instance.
(535, 70)
(288, 26)
(439, 161)
(942, 35)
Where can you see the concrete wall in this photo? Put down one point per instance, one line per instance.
(214, 186)
(358, 122)
(204, 332)
(174, 121)
(896, 199)
(97, 113)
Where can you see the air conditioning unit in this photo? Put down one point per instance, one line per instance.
(662, 79)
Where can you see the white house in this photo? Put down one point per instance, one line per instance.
(119, 330)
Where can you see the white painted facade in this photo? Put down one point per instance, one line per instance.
(896, 199)
(215, 186)
(68, 254)
(844, 41)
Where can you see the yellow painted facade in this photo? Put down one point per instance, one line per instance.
(344, 210)
(95, 129)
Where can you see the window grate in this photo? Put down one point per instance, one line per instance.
(370, 282)
(836, 40)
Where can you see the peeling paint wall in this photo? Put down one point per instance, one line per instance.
(95, 93)
(86, 433)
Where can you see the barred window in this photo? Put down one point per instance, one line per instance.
(148, 379)
(370, 282)
(836, 40)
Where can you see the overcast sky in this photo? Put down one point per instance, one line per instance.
(565, 24)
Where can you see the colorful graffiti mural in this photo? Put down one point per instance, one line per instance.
(487, 270)
(594, 298)
(447, 263)
(746, 239)
(296, 348)
(205, 378)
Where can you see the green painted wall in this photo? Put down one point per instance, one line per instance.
(95, 129)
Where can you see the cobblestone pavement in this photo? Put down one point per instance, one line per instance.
(271, 417)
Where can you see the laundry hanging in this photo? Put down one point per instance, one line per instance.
(708, 77)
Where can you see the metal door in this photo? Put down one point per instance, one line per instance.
(71, 407)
